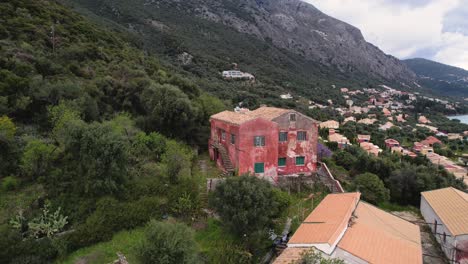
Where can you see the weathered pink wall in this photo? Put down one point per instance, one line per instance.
(293, 147)
(250, 154)
(231, 148)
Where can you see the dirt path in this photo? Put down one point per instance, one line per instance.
(429, 245)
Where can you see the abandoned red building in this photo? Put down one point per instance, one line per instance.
(268, 142)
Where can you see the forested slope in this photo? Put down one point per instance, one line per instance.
(78, 107)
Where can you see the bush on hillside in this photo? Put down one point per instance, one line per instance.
(167, 243)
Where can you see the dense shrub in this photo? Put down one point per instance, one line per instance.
(10, 183)
(112, 216)
(167, 243)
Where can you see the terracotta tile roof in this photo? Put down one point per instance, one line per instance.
(268, 113)
(372, 234)
(364, 137)
(238, 118)
(232, 117)
(431, 140)
(324, 224)
(451, 205)
(380, 237)
(290, 255)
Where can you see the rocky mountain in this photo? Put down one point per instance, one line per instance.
(289, 45)
(442, 78)
(303, 29)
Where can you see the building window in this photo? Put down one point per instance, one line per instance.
(259, 141)
(283, 136)
(259, 167)
(282, 162)
(292, 117)
(300, 160)
(302, 135)
(444, 237)
(233, 139)
(223, 135)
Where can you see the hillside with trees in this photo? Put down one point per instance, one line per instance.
(102, 148)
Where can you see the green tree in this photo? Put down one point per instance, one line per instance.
(345, 159)
(372, 188)
(177, 160)
(7, 129)
(246, 204)
(96, 159)
(314, 257)
(169, 111)
(167, 243)
(37, 159)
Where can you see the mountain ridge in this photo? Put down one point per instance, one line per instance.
(242, 35)
(441, 78)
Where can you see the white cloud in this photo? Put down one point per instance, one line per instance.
(404, 29)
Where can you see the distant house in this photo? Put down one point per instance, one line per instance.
(423, 120)
(431, 128)
(235, 74)
(401, 118)
(370, 148)
(286, 96)
(349, 119)
(338, 138)
(454, 136)
(330, 124)
(367, 121)
(386, 126)
(446, 212)
(386, 112)
(345, 227)
(390, 143)
(431, 141)
(422, 148)
(363, 138)
(344, 90)
(267, 142)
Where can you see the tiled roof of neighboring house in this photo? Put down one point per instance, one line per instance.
(451, 205)
(268, 113)
(238, 118)
(391, 141)
(367, 121)
(290, 255)
(330, 124)
(380, 237)
(431, 140)
(232, 117)
(338, 138)
(327, 221)
(363, 137)
(368, 232)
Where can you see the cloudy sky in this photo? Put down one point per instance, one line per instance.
(432, 29)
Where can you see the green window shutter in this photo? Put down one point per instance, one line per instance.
(300, 160)
(281, 162)
(259, 167)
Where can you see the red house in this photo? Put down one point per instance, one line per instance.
(390, 143)
(268, 142)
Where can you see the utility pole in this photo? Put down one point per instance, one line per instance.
(52, 38)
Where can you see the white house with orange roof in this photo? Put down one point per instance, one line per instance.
(345, 227)
(446, 212)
